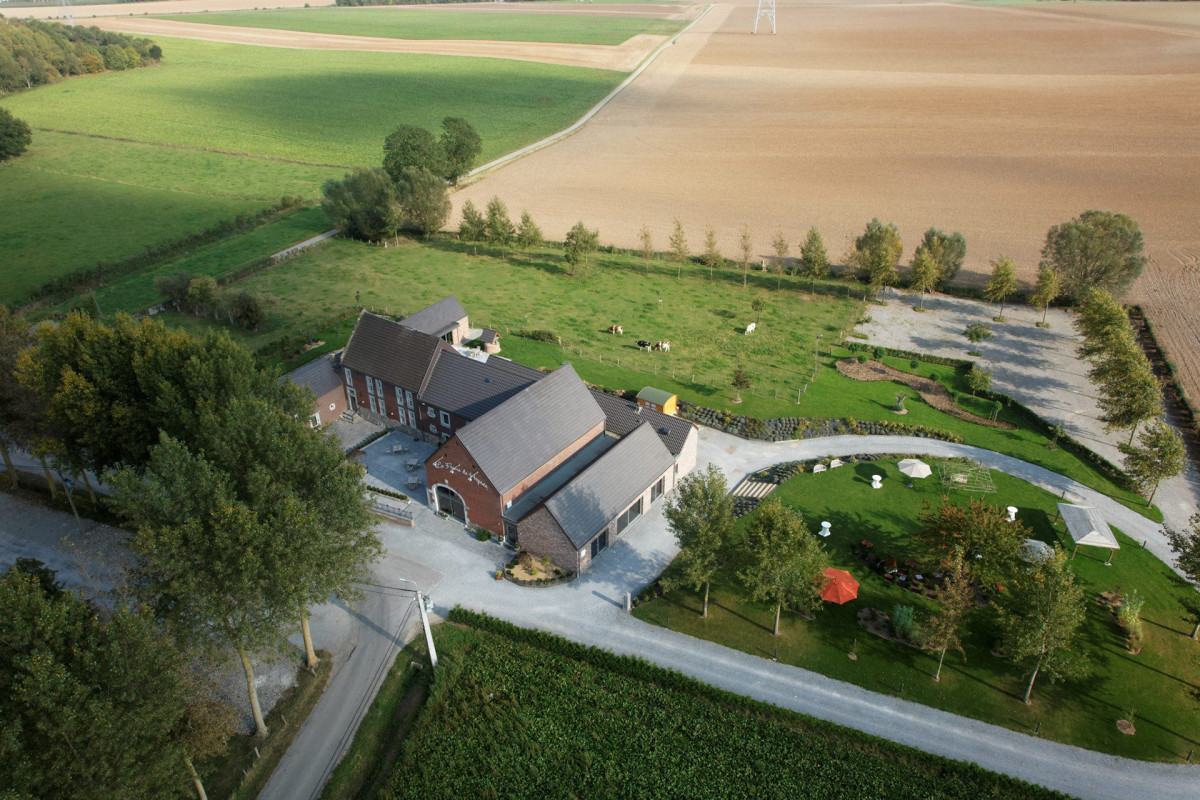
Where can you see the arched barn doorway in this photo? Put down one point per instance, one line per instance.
(451, 503)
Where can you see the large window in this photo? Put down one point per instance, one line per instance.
(599, 543)
(631, 513)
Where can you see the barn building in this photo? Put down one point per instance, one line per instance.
(529, 456)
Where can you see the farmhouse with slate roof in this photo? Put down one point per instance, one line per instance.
(539, 458)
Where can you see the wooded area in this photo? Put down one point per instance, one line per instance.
(34, 53)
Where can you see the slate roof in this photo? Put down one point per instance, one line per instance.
(471, 388)
(389, 351)
(489, 336)
(437, 318)
(609, 485)
(517, 437)
(622, 416)
(322, 375)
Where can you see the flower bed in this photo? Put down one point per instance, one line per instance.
(780, 429)
(525, 570)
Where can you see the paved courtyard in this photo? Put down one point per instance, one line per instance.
(1037, 366)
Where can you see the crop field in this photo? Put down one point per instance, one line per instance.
(997, 121)
(1160, 682)
(506, 719)
(405, 24)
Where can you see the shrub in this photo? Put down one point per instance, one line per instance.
(862, 359)
(15, 135)
(878, 353)
(914, 364)
(902, 622)
(548, 337)
(978, 332)
(481, 535)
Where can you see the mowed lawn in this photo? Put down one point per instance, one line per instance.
(421, 24)
(324, 107)
(1161, 683)
(73, 201)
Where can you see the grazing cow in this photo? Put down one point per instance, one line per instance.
(663, 346)
(750, 328)
(616, 329)
(644, 345)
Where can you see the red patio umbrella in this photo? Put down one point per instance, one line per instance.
(842, 588)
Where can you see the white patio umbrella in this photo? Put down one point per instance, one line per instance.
(915, 468)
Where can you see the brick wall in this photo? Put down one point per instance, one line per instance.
(687, 455)
(541, 535)
(463, 475)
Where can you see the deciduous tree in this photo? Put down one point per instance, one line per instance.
(1185, 545)
(647, 241)
(1002, 283)
(499, 227)
(1103, 324)
(422, 199)
(746, 250)
(529, 235)
(741, 380)
(712, 252)
(949, 250)
(1097, 249)
(979, 380)
(679, 246)
(700, 515)
(1130, 392)
(990, 544)
(781, 247)
(15, 135)
(579, 246)
(96, 704)
(943, 630)
(1048, 287)
(17, 404)
(460, 146)
(814, 262)
(473, 228)
(1159, 456)
(785, 561)
(363, 205)
(876, 252)
(925, 273)
(1040, 616)
(412, 146)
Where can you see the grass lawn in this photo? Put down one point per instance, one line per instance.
(507, 718)
(324, 107)
(1161, 683)
(407, 24)
(703, 319)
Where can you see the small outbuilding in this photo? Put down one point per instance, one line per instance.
(1087, 527)
(490, 340)
(658, 400)
(324, 377)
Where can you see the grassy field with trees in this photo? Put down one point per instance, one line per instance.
(504, 716)
(386, 23)
(1160, 682)
(220, 130)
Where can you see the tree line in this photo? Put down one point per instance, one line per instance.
(34, 52)
(203, 296)
(242, 517)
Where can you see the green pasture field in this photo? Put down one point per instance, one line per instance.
(1161, 683)
(74, 200)
(397, 23)
(705, 321)
(324, 107)
(511, 719)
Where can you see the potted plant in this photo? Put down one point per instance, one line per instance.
(499, 574)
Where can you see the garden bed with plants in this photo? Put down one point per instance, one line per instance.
(781, 429)
(1160, 682)
(527, 570)
(931, 391)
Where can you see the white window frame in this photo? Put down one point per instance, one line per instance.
(444, 418)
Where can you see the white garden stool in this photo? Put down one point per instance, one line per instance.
(825, 526)
(876, 481)
(1012, 514)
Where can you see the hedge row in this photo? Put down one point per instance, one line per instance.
(76, 281)
(1191, 413)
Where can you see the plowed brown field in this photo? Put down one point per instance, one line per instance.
(995, 121)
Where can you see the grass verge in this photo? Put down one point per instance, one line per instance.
(1162, 682)
(241, 774)
(376, 745)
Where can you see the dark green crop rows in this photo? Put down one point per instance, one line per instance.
(517, 713)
